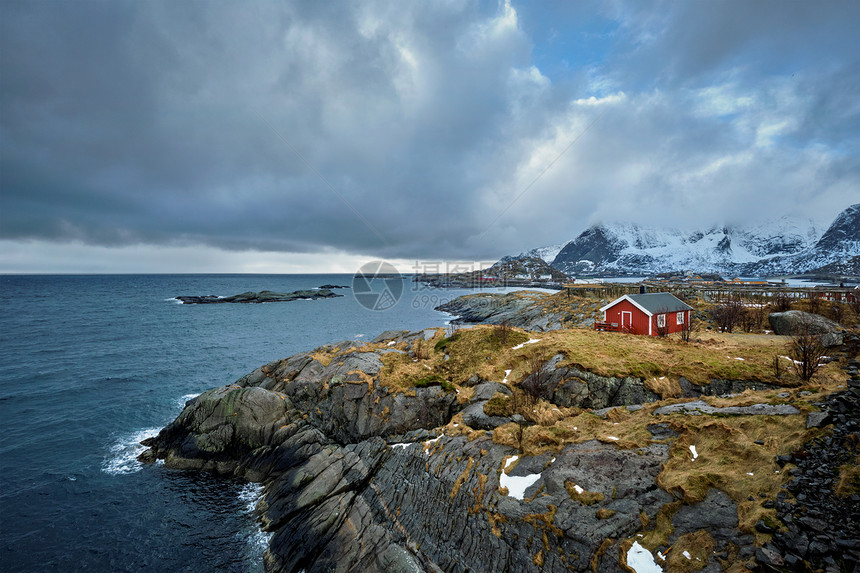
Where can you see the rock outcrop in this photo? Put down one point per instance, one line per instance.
(518, 309)
(360, 476)
(793, 322)
(573, 387)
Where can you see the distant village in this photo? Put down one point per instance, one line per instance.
(536, 273)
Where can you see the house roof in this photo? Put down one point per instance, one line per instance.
(652, 303)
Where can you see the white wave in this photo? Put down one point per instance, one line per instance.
(257, 540)
(183, 399)
(173, 300)
(122, 454)
(250, 495)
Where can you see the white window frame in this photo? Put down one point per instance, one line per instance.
(679, 318)
(661, 321)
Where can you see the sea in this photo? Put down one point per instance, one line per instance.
(91, 365)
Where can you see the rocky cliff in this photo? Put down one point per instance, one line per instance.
(419, 452)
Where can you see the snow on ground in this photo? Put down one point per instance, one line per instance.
(686, 554)
(507, 373)
(531, 341)
(641, 561)
(517, 485)
(693, 451)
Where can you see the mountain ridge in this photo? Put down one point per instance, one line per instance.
(785, 245)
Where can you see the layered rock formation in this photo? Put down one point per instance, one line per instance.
(518, 309)
(363, 476)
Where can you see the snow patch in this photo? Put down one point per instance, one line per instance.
(641, 561)
(693, 451)
(517, 485)
(531, 341)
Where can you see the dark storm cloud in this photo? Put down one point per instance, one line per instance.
(327, 125)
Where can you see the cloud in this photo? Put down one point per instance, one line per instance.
(416, 131)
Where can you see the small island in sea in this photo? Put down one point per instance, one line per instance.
(259, 297)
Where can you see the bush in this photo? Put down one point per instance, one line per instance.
(432, 380)
(443, 344)
(498, 405)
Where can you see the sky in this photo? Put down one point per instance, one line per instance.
(220, 136)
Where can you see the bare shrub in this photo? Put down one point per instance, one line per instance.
(688, 328)
(837, 312)
(422, 349)
(813, 302)
(727, 314)
(854, 304)
(452, 329)
(503, 331)
(781, 301)
(777, 367)
(806, 350)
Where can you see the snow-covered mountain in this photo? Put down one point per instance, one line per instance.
(782, 246)
(548, 254)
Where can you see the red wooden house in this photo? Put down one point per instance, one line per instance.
(651, 314)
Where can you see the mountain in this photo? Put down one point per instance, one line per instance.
(548, 254)
(529, 268)
(782, 246)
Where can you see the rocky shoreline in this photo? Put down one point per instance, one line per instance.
(364, 476)
(523, 309)
(261, 297)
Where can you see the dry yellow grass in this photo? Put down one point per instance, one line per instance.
(849, 479)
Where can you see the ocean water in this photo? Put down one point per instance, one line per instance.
(90, 365)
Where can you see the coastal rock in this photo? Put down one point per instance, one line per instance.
(362, 477)
(517, 309)
(218, 428)
(573, 387)
(698, 407)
